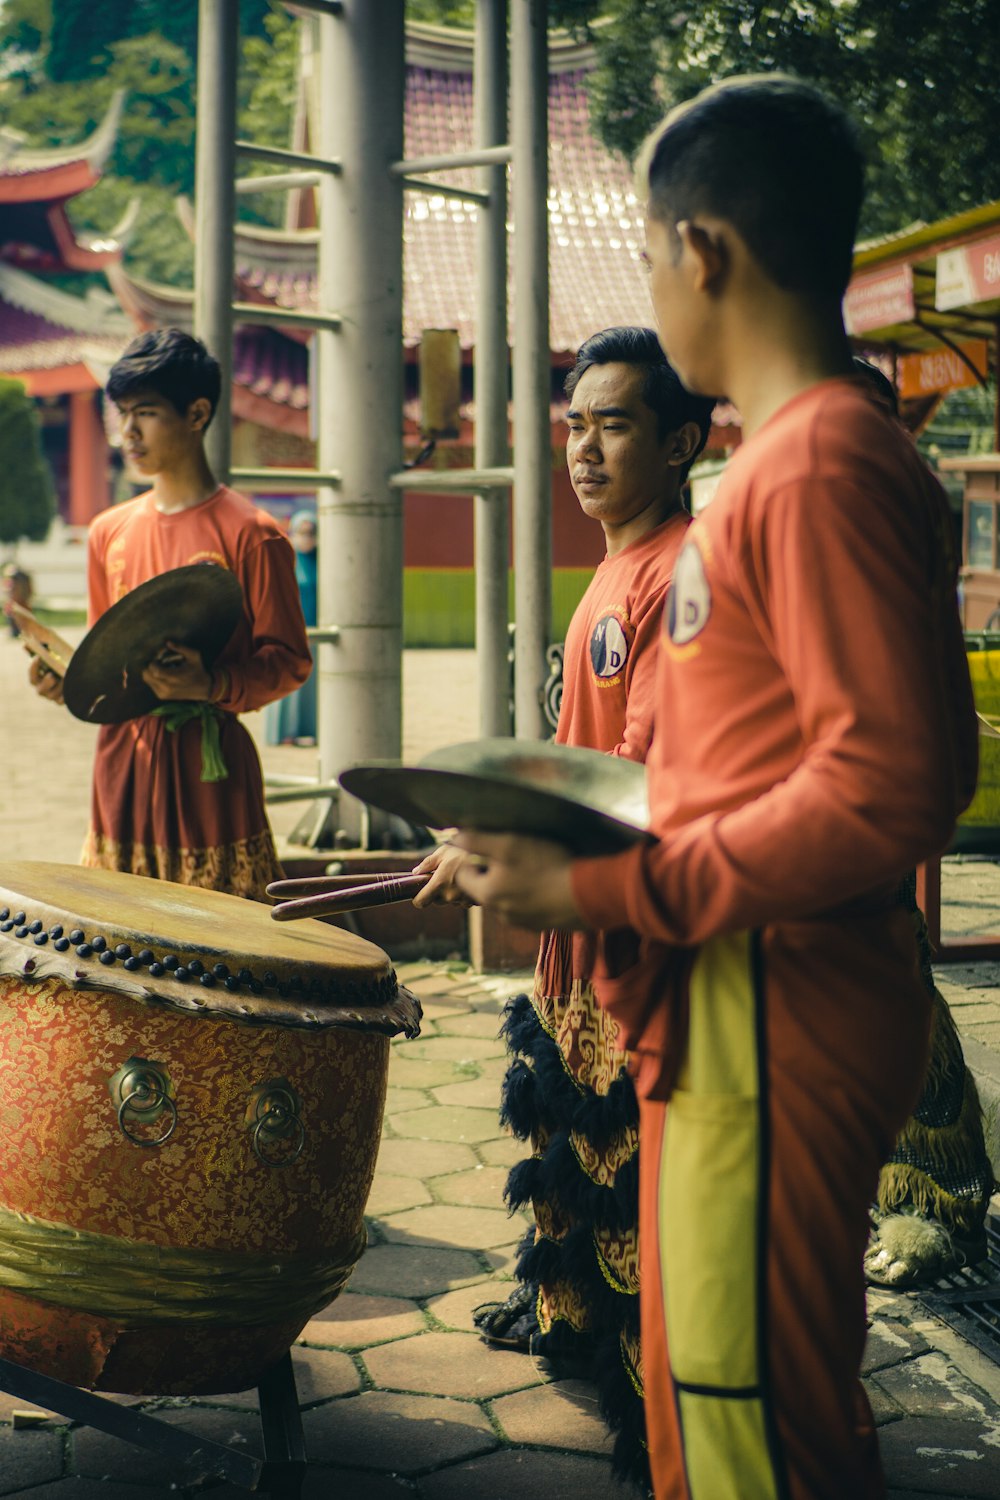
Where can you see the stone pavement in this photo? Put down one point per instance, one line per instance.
(400, 1397)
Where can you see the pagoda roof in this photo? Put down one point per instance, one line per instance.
(47, 174)
(51, 339)
(35, 186)
(595, 220)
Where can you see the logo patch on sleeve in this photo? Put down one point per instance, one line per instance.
(689, 599)
(609, 645)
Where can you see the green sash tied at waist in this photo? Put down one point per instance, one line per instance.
(176, 715)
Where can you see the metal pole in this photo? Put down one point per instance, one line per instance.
(492, 508)
(360, 390)
(532, 439)
(215, 207)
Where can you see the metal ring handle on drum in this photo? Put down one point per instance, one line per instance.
(276, 1117)
(152, 1090)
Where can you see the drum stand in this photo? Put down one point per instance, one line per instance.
(280, 1472)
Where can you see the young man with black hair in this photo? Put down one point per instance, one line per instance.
(633, 434)
(151, 811)
(815, 738)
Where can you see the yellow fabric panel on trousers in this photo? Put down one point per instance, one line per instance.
(725, 1449)
(722, 1044)
(708, 1246)
(984, 809)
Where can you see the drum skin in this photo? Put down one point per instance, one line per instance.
(201, 1194)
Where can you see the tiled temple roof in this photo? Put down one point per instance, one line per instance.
(44, 328)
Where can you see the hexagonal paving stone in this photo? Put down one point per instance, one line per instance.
(98, 1455)
(494, 1068)
(449, 1364)
(481, 1023)
(319, 1375)
(503, 1260)
(396, 1433)
(391, 1193)
(419, 1073)
(454, 1049)
(355, 1320)
(76, 1488)
(516, 1473)
(10, 1404)
(455, 1309)
(448, 1224)
(440, 1124)
(29, 1457)
(397, 1099)
(563, 1414)
(438, 1009)
(415, 1271)
(888, 1343)
(407, 1158)
(481, 1093)
(884, 1409)
(931, 1386)
(505, 1151)
(322, 1483)
(940, 1456)
(482, 1187)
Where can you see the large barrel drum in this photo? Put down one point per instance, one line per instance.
(190, 1107)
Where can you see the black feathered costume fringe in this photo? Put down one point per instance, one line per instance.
(567, 1091)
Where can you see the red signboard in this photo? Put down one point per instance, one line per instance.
(941, 369)
(968, 274)
(879, 299)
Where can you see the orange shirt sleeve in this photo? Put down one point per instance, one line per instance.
(843, 595)
(279, 659)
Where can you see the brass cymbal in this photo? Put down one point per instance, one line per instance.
(590, 802)
(199, 606)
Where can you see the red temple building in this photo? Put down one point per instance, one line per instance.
(59, 344)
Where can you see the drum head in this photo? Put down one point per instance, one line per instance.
(195, 606)
(591, 803)
(192, 949)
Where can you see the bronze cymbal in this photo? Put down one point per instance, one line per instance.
(590, 802)
(198, 606)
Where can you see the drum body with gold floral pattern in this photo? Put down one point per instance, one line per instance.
(190, 1109)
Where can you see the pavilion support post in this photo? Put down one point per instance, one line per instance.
(532, 426)
(360, 393)
(89, 490)
(215, 204)
(492, 507)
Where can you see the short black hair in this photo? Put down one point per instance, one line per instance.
(174, 364)
(776, 159)
(881, 386)
(662, 390)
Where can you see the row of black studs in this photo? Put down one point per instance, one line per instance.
(170, 964)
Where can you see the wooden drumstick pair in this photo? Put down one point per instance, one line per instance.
(329, 895)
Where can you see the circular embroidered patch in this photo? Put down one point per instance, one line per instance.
(608, 647)
(689, 600)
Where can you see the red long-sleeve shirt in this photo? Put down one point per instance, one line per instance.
(815, 732)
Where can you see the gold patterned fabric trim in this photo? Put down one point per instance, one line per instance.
(244, 868)
(143, 1285)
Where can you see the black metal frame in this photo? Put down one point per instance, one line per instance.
(969, 1300)
(280, 1472)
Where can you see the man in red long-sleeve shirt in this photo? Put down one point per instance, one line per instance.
(152, 813)
(814, 739)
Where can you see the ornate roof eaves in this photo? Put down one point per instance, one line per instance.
(94, 314)
(447, 49)
(94, 151)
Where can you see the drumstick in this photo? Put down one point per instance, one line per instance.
(310, 885)
(389, 889)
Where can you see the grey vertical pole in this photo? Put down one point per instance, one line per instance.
(532, 439)
(360, 532)
(492, 509)
(215, 206)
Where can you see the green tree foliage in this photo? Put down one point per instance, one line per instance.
(60, 63)
(27, 502)
(917, 75)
